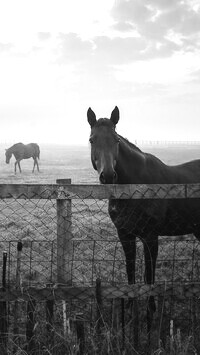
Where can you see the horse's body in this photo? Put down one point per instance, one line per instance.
(23, 151)
(119, 161)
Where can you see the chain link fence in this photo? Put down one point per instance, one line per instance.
(64, 287)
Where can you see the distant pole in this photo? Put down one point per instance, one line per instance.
(64, 237)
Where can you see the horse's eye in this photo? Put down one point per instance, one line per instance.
(91, 140)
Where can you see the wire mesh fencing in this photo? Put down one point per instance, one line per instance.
(65, 289)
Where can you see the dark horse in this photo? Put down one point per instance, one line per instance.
(23, 151)
(119, 161)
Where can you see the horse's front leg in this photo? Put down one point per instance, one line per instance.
(150, 255)
(17, 163)
(129, 246)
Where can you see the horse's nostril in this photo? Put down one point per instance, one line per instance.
(108, 178)
(102, 178)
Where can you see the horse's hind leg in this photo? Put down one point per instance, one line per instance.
(34, 164)
(37, 164)
(150, 255)
(19, 166)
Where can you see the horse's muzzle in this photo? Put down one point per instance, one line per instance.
(108, 178)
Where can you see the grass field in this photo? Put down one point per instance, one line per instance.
(56, 162)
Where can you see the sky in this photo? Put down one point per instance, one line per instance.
(60, 57)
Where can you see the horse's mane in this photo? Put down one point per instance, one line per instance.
(15, 145)
(131, 145)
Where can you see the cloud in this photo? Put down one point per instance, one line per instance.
(6, 47)
(123, 26)
(73, 48)
(43, 36)
(105, 52)
(155, 21)
(143, 30)
(118, 50)
(195, 77)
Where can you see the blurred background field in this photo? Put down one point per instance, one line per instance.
(62, 161)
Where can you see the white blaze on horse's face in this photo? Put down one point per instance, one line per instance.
(104, 145)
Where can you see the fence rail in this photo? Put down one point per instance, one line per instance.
(68, 191)
(177, 290)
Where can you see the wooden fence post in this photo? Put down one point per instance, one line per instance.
(64, 245)
(64, 236)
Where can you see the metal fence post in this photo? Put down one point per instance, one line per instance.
(64, 243)
(3, 312)
(99, 302)
(30, 325)
(49, 326)
(80, 331)
(17, 308)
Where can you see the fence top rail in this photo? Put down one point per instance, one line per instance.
(92, 191)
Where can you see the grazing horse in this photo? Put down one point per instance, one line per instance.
(23, 151)
(118, 161)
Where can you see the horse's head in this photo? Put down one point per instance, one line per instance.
(8, 156)
(104, 145)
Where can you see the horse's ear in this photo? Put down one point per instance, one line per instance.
(115, 115)
(91, 117)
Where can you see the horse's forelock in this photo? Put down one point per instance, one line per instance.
(104, 122)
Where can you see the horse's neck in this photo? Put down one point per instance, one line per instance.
(13, 148)
(137, 167)
(10, 150)
(130, 164)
